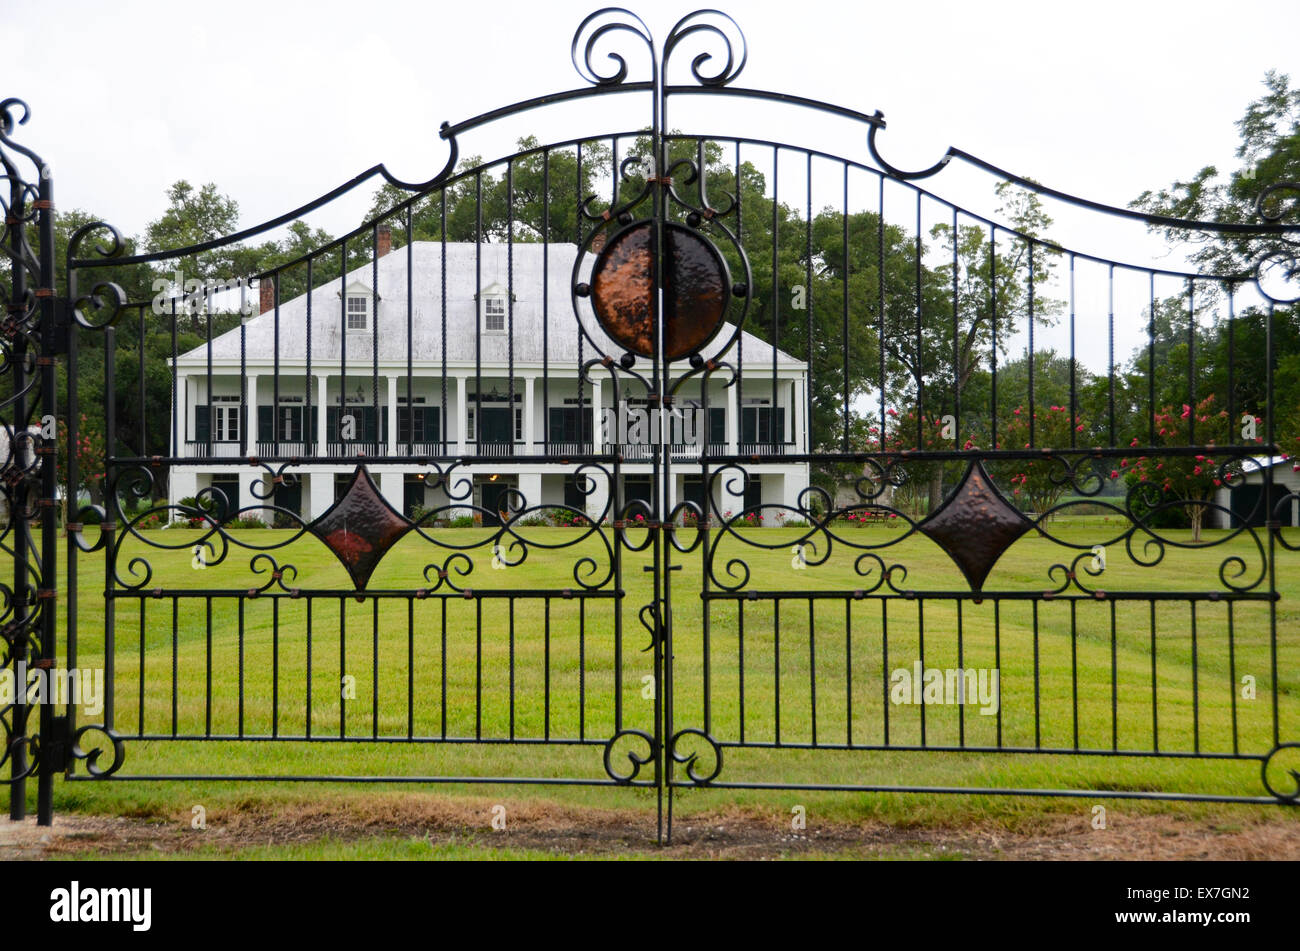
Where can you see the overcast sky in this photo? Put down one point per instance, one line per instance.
(278, 102)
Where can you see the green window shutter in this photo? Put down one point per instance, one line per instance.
(202, 426)
(717, 425)
(748, 426)
(332, 423)
(432, 423)
(265, 423)
(778, 425)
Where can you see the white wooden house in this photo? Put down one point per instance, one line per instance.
(282, 384)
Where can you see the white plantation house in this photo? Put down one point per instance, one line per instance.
(259, 390)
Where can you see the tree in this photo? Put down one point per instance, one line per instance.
(547, 187)
(1186, 481)
(1269, 151)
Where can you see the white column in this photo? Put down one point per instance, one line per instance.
(320, 485)
(530, 487)
(796, 422)
(182, 483)
(462, 416)
(247, 500)
(392, 487)
(530, 428)
(177, 435)
(733, 421)
(250, 414)
(597, 435)
(392, 420)
(322, 417)
(599, 498)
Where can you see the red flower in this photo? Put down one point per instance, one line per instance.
(1187, 411)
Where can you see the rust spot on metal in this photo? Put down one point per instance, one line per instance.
(975, 526)
(696, 283)
(360, 528)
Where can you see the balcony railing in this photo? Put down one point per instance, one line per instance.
(494, 450)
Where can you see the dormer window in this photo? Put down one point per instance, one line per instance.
(492, 309)
(358, 311)
(357, 306)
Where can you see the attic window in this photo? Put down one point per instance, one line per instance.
(358, 312)
(494, 314)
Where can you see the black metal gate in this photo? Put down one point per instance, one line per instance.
(617, 455)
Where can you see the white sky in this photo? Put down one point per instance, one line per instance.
(278, 102)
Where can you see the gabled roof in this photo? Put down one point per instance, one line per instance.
(530, 271)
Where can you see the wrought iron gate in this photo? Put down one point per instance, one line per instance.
(727, 411)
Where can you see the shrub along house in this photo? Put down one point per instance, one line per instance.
(482, 361)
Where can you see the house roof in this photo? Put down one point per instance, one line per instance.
(530, 270)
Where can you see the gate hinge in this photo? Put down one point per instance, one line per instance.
(54, 748)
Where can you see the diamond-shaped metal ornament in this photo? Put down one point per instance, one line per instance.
(976, 525)
(360, 527)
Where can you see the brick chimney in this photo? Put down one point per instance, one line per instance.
(266, 291)
(384, 241)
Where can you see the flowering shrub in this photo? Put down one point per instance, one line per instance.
(90, 454)
(861, 519)
(203, 505)
(1035, 482)
(1190, 479)
(565, 519)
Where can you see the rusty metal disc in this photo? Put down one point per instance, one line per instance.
(697, 289)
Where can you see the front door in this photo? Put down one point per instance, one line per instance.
(496, 426)
(493, 501)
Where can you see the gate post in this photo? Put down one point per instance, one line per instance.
(53, 747)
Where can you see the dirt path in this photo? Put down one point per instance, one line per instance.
(733, 834)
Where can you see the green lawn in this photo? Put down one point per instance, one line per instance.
(567, 661)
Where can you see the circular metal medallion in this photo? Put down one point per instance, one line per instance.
(697, 290)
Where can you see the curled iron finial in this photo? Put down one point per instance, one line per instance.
(7, 121)
(1279, 210)
(596, 27)
(717, 26)
(892, 170)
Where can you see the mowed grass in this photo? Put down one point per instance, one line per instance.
(526, 662)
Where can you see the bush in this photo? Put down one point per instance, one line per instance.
(461, 521)
(248, 521)
(535, 521)
(566, 519)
